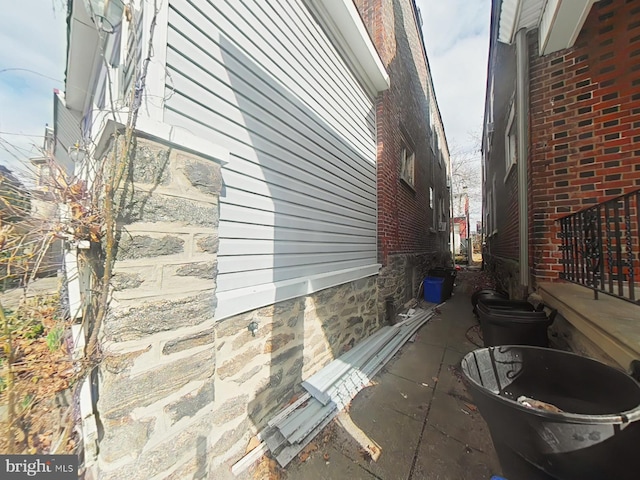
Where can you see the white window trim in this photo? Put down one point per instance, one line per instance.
(408, 156)
(510, 157)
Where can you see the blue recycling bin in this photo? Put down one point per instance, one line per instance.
(433, 289)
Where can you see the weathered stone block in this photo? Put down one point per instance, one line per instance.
(231, 437)
(204, 270)
(125, 437)
(233, 325)
(232, 408)
(245, 337)
(120, 363)
(248, 375)
(151, 164)
(204, 175)
(287, 355)
(188, 342)
(144, 246)
(273, 381)
(277, 342)
(208, 244)
(147, 207)
(161, 316)
(192, 403)
(191, 441)
(354, 321)
(121, 394)
(124, 281)
(233, 366)
(296, 368)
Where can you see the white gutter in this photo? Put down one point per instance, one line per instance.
(522, 112)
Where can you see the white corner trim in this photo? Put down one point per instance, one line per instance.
(169, 134)
(182, 139)
(233, 302)
(342, 20)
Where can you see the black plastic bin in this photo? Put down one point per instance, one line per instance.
(595, 437)
(514, 327)
(486, 293)
(506, 305)
(449, 275)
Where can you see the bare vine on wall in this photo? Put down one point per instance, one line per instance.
(33, 334)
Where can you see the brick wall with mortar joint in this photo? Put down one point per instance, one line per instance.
(407, 244)
(404, 218)
(584, 124)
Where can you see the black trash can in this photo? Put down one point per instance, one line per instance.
(449, 275)
(514, 327)
(595, 436)
(487, 293)
(509, 305)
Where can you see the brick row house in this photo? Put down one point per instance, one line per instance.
(561, 166)
(288, 193)
(413, 203)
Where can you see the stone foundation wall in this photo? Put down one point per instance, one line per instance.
(257, 375)
(564, 336)
(179, 394)
(400, 278)
(506, 273)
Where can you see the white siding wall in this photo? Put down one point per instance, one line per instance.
(261, 79)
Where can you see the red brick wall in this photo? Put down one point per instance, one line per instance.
(404, 217)
(584, 125)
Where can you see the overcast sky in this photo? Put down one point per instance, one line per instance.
(456, 34)
(33, 36)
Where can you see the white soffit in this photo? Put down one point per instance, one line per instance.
(345, 25)
(518, 14)
(561, 23)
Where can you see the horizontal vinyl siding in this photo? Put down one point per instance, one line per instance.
(261, 79)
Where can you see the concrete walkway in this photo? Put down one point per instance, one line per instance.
(418, 413)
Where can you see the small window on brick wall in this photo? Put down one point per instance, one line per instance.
(510, 141)
(407, 166)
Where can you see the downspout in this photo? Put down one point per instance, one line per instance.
(522, 111)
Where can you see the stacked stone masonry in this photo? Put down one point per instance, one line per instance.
(180, 394)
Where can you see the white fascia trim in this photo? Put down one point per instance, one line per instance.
(345, 25)
(165, 133)
(561, 24)
(83, 55)
(234, 302)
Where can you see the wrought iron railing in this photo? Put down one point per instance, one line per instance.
(601, 247)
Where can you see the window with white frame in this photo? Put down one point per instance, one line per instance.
(407, 166)
(510, 140)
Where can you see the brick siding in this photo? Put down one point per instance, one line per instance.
(404, 216)
(584, 125)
